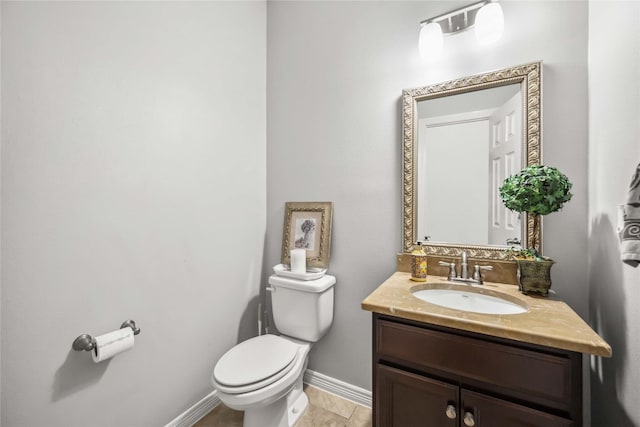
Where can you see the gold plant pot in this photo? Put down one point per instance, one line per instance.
(534, 276)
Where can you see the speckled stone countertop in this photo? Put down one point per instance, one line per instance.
(548, 321)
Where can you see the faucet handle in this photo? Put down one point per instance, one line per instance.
(452, 269)
(477, 275)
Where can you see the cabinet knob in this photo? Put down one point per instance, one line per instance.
(451, 412)
(468, 419)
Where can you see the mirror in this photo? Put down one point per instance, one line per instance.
(461, 139)
(474, 139)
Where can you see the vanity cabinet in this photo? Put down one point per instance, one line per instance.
(428, 375)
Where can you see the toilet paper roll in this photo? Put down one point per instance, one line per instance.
(298, 261)
(108, 345)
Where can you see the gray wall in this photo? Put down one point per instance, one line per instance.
(133, 186)
(335, 75)
(614, 153)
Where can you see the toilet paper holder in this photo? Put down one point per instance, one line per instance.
(87, 343)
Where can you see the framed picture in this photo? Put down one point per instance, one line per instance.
(307, 225)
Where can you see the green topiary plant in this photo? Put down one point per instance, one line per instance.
(537, 190)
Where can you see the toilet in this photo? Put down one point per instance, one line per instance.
(262, 376)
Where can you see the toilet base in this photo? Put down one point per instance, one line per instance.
(283, 412)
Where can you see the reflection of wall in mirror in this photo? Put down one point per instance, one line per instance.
(484, 99)
(454, 188)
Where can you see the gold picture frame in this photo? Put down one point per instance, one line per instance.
(307, 225)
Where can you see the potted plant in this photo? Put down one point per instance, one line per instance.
(537, 190)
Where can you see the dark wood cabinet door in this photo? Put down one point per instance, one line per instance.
(408, 400)
(485, 411)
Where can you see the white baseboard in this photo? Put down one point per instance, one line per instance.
(340, 388)
(195, 413)
(324, 382)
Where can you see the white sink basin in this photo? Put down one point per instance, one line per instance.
(469, 301)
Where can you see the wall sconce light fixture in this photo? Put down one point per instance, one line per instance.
(485, 16)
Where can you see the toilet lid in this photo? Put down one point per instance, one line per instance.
(255, 360)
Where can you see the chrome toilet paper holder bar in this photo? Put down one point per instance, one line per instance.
(87, 343)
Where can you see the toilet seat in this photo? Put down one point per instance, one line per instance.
(254, 364)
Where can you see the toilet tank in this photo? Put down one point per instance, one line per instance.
(302, 309)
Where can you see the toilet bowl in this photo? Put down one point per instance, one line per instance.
(259, 386)
(262, 376)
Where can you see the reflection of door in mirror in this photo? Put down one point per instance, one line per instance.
(504, 156)
(467, 145)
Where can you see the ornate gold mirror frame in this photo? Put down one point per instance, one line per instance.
(530, 78)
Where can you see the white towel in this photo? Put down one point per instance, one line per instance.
(630, 234)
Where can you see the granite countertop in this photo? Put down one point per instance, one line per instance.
(548, 321)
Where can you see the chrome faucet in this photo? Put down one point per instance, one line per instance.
(464, 271)
(464, 267)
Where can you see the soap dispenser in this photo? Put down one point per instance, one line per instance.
(418, 263)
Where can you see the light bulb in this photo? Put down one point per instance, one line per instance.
(431, 40)
(489, 23)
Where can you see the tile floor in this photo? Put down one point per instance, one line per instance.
(324, 410)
